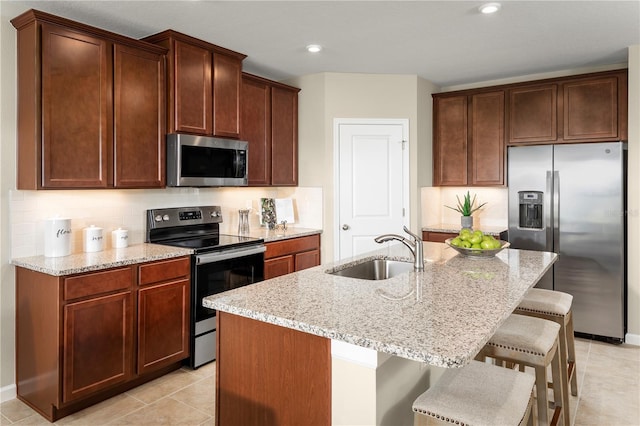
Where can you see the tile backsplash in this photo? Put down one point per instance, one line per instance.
(112, 209)
(434, 200)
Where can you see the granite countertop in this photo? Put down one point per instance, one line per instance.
(85, 262)
(453, 228)
(270, 235)
(442, 316)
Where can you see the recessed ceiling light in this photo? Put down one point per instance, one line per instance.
(314, 48)
(490, 8)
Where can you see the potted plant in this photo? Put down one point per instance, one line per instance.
(466, 209)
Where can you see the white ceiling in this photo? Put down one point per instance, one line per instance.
(446, 42)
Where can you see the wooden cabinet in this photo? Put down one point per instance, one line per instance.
(203, 86)
(90, 103)
(255, 358)
(468, 142)
(533, 114)
(586, 108)
(287, 256)
(139, 103)
(83, 338)
(470, 127)
(270, 125)
(437, 237)
(97, 354)
(163, 313)
(595, 108)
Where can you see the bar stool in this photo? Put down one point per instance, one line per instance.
(555, 306)
(477, 394)
(533, 342)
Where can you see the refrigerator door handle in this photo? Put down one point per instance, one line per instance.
(549, 207)
(556, 212)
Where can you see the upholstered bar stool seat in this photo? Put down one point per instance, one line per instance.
(533, 342)
(555, 306)
(477, 394)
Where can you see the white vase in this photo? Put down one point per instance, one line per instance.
(466, 221)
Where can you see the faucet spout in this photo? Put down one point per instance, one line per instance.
(414, 245)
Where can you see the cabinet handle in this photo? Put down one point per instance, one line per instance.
(345, 227)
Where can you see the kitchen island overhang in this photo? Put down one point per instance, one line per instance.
(441, 316)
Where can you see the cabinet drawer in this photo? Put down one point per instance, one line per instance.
(437, 237)
(164, 270)
(294, 245)
(98, 282)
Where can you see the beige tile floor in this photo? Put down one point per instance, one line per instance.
(608, 395)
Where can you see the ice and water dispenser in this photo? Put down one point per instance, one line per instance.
(530, 209)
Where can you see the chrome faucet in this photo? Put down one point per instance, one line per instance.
(415, 245)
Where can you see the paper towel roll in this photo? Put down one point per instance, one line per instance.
(57, 237)
(119, 238)
(92, 239)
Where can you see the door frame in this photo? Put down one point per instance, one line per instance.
(337, 122)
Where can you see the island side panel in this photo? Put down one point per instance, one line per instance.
(270, 375)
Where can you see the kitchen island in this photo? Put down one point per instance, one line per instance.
(316, 348)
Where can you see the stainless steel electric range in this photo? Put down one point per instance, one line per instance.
(220, 262)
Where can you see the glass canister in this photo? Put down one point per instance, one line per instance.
(243, 222)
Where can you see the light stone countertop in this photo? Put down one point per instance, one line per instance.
(442, 316)
(77, 263)
(270, 235)
(450, 227)
(86, 262)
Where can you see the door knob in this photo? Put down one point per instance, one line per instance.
(345, 227)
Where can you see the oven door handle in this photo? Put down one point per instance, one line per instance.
(201, 259)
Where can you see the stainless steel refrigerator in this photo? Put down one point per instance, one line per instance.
(571, 199)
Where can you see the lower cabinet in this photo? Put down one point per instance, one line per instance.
(287, 256)
(163, 318)
(98, 344)
(437, 237)
(77, 341)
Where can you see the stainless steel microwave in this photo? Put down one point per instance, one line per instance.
(202, 161)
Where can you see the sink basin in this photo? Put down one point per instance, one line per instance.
(375, 269)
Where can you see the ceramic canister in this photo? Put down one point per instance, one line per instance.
(57, 237)
(92, 239)
(119, 238)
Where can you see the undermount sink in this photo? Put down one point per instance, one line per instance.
(375, 269)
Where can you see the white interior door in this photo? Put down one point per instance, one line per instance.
(372, 182)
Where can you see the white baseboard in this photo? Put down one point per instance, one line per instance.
(632, 339)
(7, 393)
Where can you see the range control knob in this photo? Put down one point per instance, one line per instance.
(216, 213)
(158, 218)
(165, 217)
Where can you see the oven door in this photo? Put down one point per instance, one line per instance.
(215, 273)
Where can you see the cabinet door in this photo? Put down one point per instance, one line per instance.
(256, 129)
(590, 109)
(76, 109)
(487, 148)
(163, 325)
(227, 78)
(308, 259)
(139, 154)
(279, 266)
(533, 112)
(450, 141)
(284, 137)
(437, 237)
(193, 89)
(98, 344)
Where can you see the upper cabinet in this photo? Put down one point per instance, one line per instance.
(270, 125)
(585, 108)
(470, 127)
(468, 141)
(203, 88)
(90, 107)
